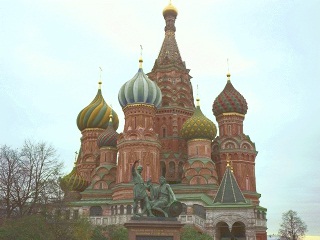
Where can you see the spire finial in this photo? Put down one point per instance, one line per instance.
(228, 74)
(198, 99)
(228, 160)
(100, 80)
(140, 59)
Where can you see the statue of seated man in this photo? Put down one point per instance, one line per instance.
(163, 201)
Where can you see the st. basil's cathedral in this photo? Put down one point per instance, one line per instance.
(212, 175)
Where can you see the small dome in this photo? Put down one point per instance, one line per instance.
(140, 89)
(198, 126)
(229, 100)
(170, 10)
(108, 138)
(73, 182)
(96, 114)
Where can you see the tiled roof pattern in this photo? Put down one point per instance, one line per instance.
(140, 89)
(73, 182)
(198, 126)
(108, 138)
(96, 114)
(229, 100)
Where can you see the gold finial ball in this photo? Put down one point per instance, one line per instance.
(170, 10)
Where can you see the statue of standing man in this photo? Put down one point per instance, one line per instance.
(139, 192)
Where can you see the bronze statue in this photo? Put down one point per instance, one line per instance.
(163, 201)
(140, 192)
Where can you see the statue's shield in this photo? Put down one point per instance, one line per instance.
(175, 209)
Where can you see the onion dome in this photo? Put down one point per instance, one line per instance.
(229, 101)
(96, 114)
(170, 10)
(73, 182)
(198, 126)
(140, 89)
(108, 138)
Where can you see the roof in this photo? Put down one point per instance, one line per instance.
(229, 191)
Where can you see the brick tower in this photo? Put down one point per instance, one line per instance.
(139, 99)
(91, 121)
(173, 79)
(232, 144)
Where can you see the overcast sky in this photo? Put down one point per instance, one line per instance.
(51, 51)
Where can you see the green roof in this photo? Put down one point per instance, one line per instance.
(229, 191)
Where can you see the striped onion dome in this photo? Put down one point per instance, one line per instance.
(229, 101)
(73, 182)
(108, 138)
(198, 126)
(96, 114)
(140, 89)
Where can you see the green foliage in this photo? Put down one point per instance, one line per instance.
(117, 232)
(37, 227)
(292, 227)
(98, 233)
(26, 228)
(190, 233)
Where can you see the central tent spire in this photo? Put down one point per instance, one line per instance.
(169, 55)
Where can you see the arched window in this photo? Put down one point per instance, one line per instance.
(164, 132)
(96, 211)
(129, 209)
(238, 230)
(163, 168)
(121, 209)
(172, 168)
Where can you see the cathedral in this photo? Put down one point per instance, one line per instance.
(212, 175)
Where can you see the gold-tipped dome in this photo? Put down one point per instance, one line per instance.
(198, 126)
(170, 10)
(96, 114)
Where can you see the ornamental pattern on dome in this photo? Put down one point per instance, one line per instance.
(229, 100)
(198, 126)
(140, 89)
(108, 137)
(96, 114)
(73, 182)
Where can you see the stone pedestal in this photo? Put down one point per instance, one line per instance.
(154, 228)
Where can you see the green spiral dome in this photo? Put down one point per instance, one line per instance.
(198, 126)
(73, 182)
(96, 114)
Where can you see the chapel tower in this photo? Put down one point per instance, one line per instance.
(232, 144)
(139, 99)
(172, 77)
(91, 121)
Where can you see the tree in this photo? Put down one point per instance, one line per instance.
(118, 232)
(28, 178)
(190, 233)
(292, 227)
(32, 227)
